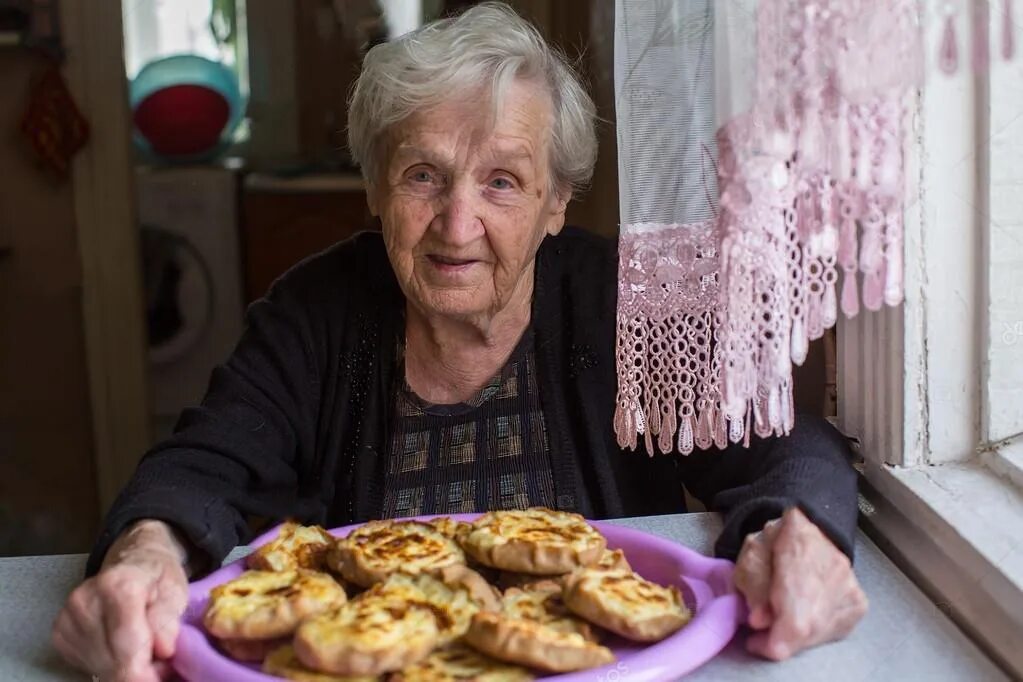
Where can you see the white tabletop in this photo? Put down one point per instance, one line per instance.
(904, 636)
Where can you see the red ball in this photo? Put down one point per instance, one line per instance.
(182, 120)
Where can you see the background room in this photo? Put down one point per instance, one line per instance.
(213, 221)
(164, 162)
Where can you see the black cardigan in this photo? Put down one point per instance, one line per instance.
(294, 422)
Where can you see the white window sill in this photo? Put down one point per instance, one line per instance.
(957, 530)
(1007, 460)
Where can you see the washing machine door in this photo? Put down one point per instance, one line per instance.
(179, 294)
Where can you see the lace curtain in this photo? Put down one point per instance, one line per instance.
(762, 170)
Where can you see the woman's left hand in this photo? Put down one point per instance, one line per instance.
(800, 588)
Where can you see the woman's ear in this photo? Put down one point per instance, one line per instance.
(559, 204)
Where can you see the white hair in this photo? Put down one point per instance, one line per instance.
(488, 43)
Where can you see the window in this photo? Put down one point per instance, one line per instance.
(214, 29)
(934, 390)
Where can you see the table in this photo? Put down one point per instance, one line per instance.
(903, 637)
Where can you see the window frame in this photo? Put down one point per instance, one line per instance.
(938, 493)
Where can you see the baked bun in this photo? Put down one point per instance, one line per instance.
(626, 604)
(283, 662)
(393, 624)
(294, 547)
(459, 662)
(534, 645)
(536, 629)
(538, 541)
(378, 549)
(250, 650)
(269, 604)
(456, 530)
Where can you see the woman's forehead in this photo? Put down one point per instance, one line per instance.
(518, 130)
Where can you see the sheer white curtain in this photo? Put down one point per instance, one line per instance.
(762, 184)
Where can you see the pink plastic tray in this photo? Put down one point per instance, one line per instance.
(706, 584)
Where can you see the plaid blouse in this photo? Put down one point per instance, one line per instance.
(490, 452)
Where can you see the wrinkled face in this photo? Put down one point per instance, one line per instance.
(465, 201)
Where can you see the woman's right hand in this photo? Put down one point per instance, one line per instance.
(122, 623)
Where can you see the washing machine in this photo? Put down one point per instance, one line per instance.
(188, 222)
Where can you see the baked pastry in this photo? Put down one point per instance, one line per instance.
(456, 530)
(507, 580)
(250, 650)
(532, 644)
(535, 541)
(542, 602)
(460, 662)
(426, 614)
(283, 662)
(269, 604)
(613, 560)
(535, 629)
(609, 560)
(382, 630)
(478, 589)
(374, 551)
(394, 624)
(626, 604)
(295, 546)
(539, 541)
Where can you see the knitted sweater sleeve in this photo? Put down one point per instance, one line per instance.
(810, 469)
(236, 454)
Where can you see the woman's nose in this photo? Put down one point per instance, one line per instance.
(458, 220)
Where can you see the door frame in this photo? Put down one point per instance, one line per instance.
(108, 241)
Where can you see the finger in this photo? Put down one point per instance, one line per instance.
(67, 643)
(761, 644)
(771, 529)
(129, 638)
(83, 627)
(849, 611)
(761, 614)
(164, 616)
(753, 580)
(760, 617)
(84, 608)
(802, 595)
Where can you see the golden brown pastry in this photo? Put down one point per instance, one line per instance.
(531, 644)
(542, 602)
(613, 560)
(295, 546)
(283, 662)
(456, 530)
(269, 604)
(395, 623)
(459, 662)
(626, 604)
(250, 650)
(374, 551)
(535, 629)
(537, 541)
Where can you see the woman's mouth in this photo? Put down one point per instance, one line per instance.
(448, 264)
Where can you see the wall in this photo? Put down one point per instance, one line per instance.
(47, 477)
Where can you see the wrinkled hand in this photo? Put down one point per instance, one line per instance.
(119, 624)
(799, 586)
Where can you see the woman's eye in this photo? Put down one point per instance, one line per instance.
(501, 183)
(422, 176)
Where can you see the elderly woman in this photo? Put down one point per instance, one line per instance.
(462, 360)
